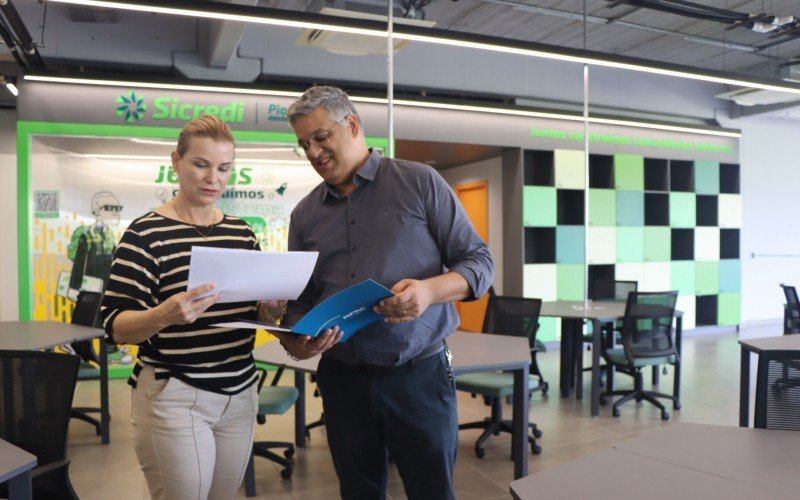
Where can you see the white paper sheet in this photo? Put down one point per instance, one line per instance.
(245, 275)
(252, 325)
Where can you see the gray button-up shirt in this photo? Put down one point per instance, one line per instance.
(401, 221)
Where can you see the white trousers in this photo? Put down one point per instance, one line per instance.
(191, 444)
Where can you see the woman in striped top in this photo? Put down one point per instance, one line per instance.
(194, 397)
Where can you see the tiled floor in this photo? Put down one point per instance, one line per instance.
(710, 395)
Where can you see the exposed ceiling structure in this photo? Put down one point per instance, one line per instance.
(760, 38)
(620, 27)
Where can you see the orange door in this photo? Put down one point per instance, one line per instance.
(474, 196)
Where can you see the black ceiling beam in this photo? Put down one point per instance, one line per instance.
(20, 32)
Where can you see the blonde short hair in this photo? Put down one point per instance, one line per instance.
(205, 126)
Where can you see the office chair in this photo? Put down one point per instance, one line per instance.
(272, 400)
(36, 390)
(647, 340)
(791, 310)
(778, 391)
(513, 316)
(87, 307)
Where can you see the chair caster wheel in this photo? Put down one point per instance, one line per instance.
(545, 388)
(480, 452)
(536, 449)
(289, 453)
(664, 415)
(615, 412)
(676, 406)
(537, 433)
(286, 473)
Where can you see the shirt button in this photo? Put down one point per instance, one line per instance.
(352, 223)
(352, 275)
(353, 249)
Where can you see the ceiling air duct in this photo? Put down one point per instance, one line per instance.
(758, 97)
(351, 44)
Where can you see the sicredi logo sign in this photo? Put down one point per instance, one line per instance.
(172, 108)
(132, 108)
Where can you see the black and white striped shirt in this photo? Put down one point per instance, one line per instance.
(151, 264)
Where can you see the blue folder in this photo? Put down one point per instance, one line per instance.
(349, 309)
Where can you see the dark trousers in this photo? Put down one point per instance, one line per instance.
(409, 413)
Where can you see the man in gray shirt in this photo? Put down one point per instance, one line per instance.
(390, 387)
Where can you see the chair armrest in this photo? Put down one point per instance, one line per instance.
(44, 469)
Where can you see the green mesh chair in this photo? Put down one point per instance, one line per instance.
(647, 340)
(272, 400)
(515, 316)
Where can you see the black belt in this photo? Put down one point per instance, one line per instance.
(426, 353)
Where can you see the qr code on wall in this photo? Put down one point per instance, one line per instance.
(45, 204)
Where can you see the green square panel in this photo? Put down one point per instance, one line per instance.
(657, 244)
(549, 329)
(570, 281)
(682, 209)
(570, 171)
(706, 278)
(630, 244)
(729, 306)
(602, 207)
(730, 276)
(629, 172)
(630, 208)
(682, 274)
(538, 206)
(706, 177)
(569, 245)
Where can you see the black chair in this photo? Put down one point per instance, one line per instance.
(647, 340)
(513, 316)
(85, 313)
(791, 310)
(36, 390)
(778, 391)
(272, 400)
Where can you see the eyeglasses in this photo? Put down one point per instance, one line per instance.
(110, 208)
(320, 138)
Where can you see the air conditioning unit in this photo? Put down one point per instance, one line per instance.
(352, 44)
(758, 97)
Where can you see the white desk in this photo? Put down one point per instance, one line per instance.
(471, 353)
(679, 461)
(15, 467)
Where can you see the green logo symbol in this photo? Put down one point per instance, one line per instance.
(131, 107)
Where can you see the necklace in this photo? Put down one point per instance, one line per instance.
(194, 226)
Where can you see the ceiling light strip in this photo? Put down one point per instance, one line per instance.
(204, 12)
(167, 86)
(660, 126)
(399, 102)
(455, 42)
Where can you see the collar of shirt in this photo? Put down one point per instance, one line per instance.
(365, 173)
